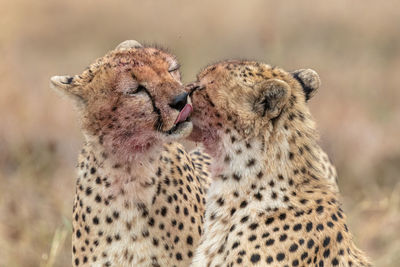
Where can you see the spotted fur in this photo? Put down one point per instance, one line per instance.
(139, 197)
(273, 201)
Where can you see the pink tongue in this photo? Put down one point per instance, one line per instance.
(185, 112)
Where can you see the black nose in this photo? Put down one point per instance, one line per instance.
(179, 101)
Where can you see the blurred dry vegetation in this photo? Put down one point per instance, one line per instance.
(354, 46)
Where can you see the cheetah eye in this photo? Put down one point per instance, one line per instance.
(174, 71)
(174, 68)
(133, 91)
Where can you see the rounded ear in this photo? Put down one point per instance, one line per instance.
(67, 86)
(309, 80)
(273, 96)
(128, 44)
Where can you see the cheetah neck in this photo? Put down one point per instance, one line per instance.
(274, 173)
(130, 177)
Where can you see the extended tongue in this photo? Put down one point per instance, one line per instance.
(184, 114)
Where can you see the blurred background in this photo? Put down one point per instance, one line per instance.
(353, 45)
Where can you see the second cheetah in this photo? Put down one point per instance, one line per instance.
(271, 201)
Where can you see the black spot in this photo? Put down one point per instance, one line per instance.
(243, 204)
(237, 177)
(269, 259)
(326, 253)
(303, 201)
(164, 211)
(253, 226)
(269, 221)
(88, 191)
(282, 216)
(283, 237)
(309, 226)
(310, 243)
(293, 247)
(335, 262)
(235, 245)
(252, 238)
(339, 237)
(155, 242)
(189, 240)
(270, 242)
(179, 256)
(258, 196)
(320, 209)
(280, 256)
(297, 227)
(326, 241)
(251, 162)
(186, 211)
(244, 219)
(233, 210)
(92, 170)
(176, 240)
(255, 258)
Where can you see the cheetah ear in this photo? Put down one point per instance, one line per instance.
(67, 85)
(128, 44)
(309, 80)
(274, 94)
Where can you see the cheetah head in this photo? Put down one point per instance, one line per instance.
(130, 99)
(248, 97)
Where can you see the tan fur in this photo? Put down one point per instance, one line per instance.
(139, 200)
(273, 201)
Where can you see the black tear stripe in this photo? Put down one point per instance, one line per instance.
(159, 121)
(307, 89)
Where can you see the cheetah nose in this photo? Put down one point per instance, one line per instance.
(179, 101)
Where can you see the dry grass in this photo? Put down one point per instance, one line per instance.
(354, 45)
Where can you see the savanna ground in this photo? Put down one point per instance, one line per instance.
(354, 46)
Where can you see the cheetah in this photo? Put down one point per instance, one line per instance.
(272, 201)
(140, 198)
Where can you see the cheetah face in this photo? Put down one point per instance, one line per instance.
(131, 98)
(245, 96)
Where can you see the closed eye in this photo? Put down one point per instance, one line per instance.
(133, 91)
(174, 71)
(174, 68)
